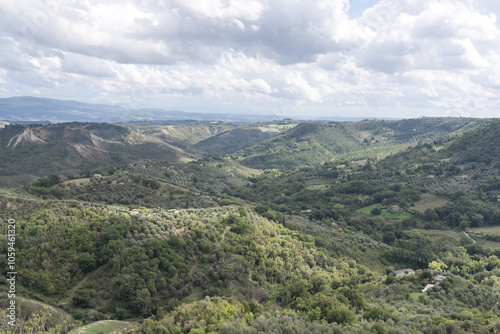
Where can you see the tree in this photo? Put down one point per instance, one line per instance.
(389, 238)
(434, 265)
(341, 315)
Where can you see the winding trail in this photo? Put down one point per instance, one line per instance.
(223, 236)
(468, 236)
(73, 291)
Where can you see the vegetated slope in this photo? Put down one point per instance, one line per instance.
(182, 132)
(478, 145)
(157, 259)
(231, 141)
(306, 144)
(68, 147)
(313, 143)
(147, 183)
(322, 275)
(468, 162)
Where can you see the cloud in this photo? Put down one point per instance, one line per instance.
(12, 57)
(402, 58)
(79, 64)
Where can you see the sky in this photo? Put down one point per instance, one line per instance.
(289, 58)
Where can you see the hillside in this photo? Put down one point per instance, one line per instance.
(70, 147)
(213, 246)
(232, 141)
(314, 143)
(477, 145)
(467, 163)
(184, 132)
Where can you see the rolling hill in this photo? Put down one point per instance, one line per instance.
(211, 246)
(232, 141)
(72, 147)
(314, 143)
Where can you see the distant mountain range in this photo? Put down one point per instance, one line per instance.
(29, 109)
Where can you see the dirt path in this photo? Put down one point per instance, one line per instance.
(77, 286)
(468, 236)
(223, 236)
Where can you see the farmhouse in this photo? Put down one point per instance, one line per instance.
(133, 212)
(396, 208)
(97, 176)
(439, 279)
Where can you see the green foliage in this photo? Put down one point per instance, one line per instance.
(232, 141)
(35, 322)
(308, 250)
(47, 182)
(314, 143)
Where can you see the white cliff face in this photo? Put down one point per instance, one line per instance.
(27, 136)
(102, 143)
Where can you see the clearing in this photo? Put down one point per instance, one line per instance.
(103, 326)
(386, 213)
(486, 230)
(457, 235)
(414, 295)
(56, 314)
(429, 201)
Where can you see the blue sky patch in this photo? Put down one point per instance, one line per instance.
(357, 7)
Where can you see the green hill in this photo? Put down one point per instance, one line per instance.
(185, 132)
(477, 145)
(231, 141)
(314, 143)
(467, 162)
(211, 246)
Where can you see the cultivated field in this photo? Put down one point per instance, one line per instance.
(387, 214)
(454, 234)
(486, 230)
(429, 201)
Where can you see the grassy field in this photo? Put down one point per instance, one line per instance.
(317, 187)
(367, 209)
(31, 305)
(486, 230)
(282, 126)
(457, 235)
(104, 326)
(494, 230)
(78, 182)
(429, 201)
(387, 214)
(414, 296)
(488, 244)
(239, 182)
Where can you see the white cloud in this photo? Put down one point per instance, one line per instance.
(402, 58)
(84, 65)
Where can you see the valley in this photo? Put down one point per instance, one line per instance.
(281, 226)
